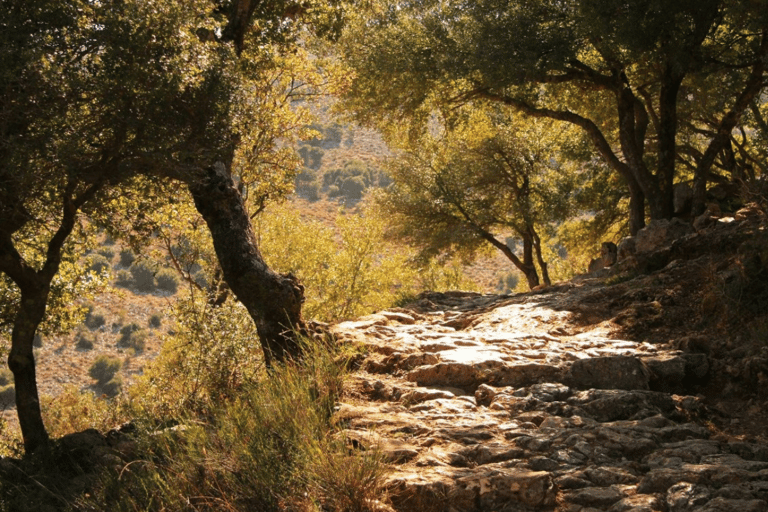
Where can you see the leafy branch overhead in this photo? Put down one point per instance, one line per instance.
(660, 89)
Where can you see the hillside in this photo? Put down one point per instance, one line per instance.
(639, 387)
(640, 390)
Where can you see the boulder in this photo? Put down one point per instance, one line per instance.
(661, 233)
(615, 372)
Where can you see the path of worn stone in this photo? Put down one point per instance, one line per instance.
(498, 403)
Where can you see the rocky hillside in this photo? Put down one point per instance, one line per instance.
(639, 388)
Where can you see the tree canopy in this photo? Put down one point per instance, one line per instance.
(103, 104)
(658, 87)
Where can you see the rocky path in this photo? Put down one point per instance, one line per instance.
(507, 403)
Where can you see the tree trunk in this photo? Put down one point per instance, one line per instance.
(21, 361)
(662, 207)
(542, 264)
(636, 207)
(273, 300)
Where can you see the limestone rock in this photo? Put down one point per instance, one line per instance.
(608, 373)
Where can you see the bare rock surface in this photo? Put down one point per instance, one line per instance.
(587, 396)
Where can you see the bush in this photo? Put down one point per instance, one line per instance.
(143, 276)
(167, 280)
(123, 278)
(85, 341)
(6, 377)
(132, 336)
(38, 341)
(7, 396)
(113, 387)
(104, 369)
(277, 432)
(98, 263)
(155, 321)
(312, 156)
(309, 190)
(127, 258)
(95, 319)
(107, 252)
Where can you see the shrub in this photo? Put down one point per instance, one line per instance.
(167, 280)
(107, 252)
(6, 377)
(85, 341)
(38, 341)
(127, 258)
(104, 369)
(143, 276)
(95, 319)
(7, 396)
(123, 278)
(98, 263)
(113, 387)
(277, 432)
(155, 321)
(201, 278)
(132, 336)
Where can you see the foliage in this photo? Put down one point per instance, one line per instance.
(481, 181)
(143, 276)
(7, 396)
(269, 446)
(660, 93)
(155, 321)
(132, 336)
(312, 156)
(352, 180)
(84, 341)
(126, 257)
(347, 273)
(107, 251)
(73, 410)
(167, 280)
(211, 356)
(104, 368)
(94, 318)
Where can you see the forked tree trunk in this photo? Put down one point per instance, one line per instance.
(273, 300)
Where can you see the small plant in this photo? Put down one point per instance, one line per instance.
(133, 337)
(104, 369)
(38, 341)
(113, 387)
(143, 276)
(155, 321)
(6, 377)
(167, 281)
(7, 396)
(98, 263)
(127, 258)
(94, 319)
(107, 252)
(123, 278)
(85, 341)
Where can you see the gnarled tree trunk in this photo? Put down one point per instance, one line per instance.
(21, 361)
(273, 300)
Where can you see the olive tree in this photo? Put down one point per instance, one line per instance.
(640, 78)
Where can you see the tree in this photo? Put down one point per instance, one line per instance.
(110, 98)
(621, 73)
(485, 179)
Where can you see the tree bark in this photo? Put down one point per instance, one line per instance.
(21, 361)
(752, 88)
(273, 300)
